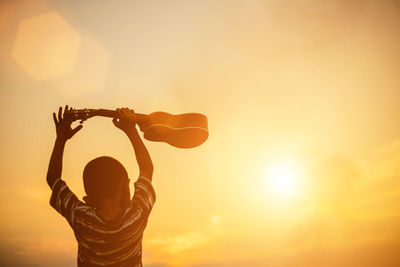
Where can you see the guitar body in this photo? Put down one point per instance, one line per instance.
(182, 131)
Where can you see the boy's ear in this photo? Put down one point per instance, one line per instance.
(86, 199)
(125, 193)
(89, 201)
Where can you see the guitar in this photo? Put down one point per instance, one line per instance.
(183, 130)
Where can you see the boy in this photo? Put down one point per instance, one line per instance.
(109, 226)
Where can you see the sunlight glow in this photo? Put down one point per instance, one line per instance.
(282, 178)
(215, 219)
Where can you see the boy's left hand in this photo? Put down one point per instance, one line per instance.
(63, 126)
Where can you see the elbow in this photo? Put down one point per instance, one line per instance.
(147, 171)
(50, 180)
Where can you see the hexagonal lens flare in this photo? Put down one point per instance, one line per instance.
(46, 46)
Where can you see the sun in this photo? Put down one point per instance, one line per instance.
(282, 178)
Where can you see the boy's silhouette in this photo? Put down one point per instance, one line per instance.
(109, 226)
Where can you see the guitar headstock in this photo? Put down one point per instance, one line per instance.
(79, 114)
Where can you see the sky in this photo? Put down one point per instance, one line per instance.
(302, 163)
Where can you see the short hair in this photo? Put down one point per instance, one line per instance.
(102, 177)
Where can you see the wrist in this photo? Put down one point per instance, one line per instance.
(60, 140)
(130, 130)
(132, 133)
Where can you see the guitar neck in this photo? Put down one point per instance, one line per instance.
(141, 118)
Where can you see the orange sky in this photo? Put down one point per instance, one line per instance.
(313, 86)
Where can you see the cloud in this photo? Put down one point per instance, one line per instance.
(334, 177)
(157, 265)
(180, 243)
(357, 212)
(34, 252)
(382, 254)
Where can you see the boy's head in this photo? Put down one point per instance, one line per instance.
(105, 178)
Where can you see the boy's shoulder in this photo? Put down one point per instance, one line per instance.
(85, 214)
(79, 213)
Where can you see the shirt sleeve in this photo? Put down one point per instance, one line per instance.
(144, 195)
(64, 201)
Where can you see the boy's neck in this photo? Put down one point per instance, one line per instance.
(110, 211)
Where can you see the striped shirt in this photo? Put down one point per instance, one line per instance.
(106, 244)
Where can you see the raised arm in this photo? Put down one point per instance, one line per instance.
(126, 120)
(64, 132)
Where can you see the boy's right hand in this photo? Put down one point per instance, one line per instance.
(125, 119)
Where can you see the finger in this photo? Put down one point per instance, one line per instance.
(126, 112)
(65, 110)
(115, 121)
(59, 114)
(76, 129)
(120, 113)
(55, 118)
